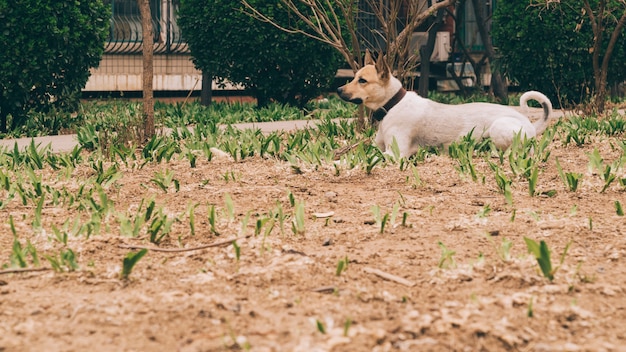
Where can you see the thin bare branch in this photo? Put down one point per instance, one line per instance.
(177, 250)
(22, 270)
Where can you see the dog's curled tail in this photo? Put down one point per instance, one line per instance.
(541, 124)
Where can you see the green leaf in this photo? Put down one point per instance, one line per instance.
(542, 254)
(129, 262)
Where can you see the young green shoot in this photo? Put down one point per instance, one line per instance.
(297, 222)
(229, 206)
(237, 249)
(446, 260)
(320, 326)
(346, 326)
(570, 179)
(542, 254)
(128, 263)
(213, 220)
(618, 208)
(342, 266)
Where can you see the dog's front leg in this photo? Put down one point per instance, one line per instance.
(380, 141)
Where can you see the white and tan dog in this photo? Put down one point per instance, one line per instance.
(415, 121)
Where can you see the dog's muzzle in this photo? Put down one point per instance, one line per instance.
(348, 97)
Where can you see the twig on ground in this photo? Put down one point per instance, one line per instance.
(389, 277)
(21, 270)
(324, 289)
(175, 250)
(343, 150)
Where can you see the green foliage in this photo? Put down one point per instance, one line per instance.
(547, 49)
(276, 66)
(48, 48)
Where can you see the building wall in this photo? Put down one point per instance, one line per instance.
(123, 73)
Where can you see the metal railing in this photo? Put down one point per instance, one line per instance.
(125, 34)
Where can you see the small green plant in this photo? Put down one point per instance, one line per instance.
(529, 311)
(105, 177)
(503, 182)
(608, 177)
(542, 254)
(191, 210)
(346, 326)
(213, 220)
(463, 153)
(379, 219)
(280, 215)
(61, 235)
(618, 208)
(596, 161)
(416, 181)
(19, 255)
(342, 266)
(484, 211)
(160, 226)
(405, 216)
(446, 260)
(571, 179)
(165, 179)
(237, 249)
(293, 162)
(131, 226)
(297, 222)
(128, 263)
(320, 326)
(504, 251)
(229, 206)
(65, 261)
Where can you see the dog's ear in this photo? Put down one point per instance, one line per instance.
(382, 68)
(368, 58)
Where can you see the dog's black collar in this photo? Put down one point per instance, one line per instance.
(379, 114)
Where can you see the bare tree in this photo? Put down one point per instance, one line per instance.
(497, 82)
(600, 17)
(329, 21)
(148, 69)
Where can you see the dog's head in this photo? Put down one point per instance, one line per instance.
(371, 84)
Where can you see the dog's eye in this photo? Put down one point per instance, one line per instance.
(362, 80)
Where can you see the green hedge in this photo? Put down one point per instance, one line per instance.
(273, 65)
(47, 48)
(547, 49)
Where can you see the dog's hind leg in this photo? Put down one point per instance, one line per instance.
(503, 130)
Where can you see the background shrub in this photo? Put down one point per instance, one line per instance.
(547, 49)
(272, 64)
(47, 48)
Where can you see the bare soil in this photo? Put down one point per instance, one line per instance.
(284, 294)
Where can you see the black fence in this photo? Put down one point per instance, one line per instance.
(125, 36)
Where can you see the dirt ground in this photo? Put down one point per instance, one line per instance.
(284, 294)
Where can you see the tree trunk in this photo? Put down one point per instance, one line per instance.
(425, 53)
(602, 81)
(206, 94)
(497, 83)
(148, 69)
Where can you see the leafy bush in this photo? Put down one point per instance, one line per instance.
(547, 49)
(274, 65)
(48, 47)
